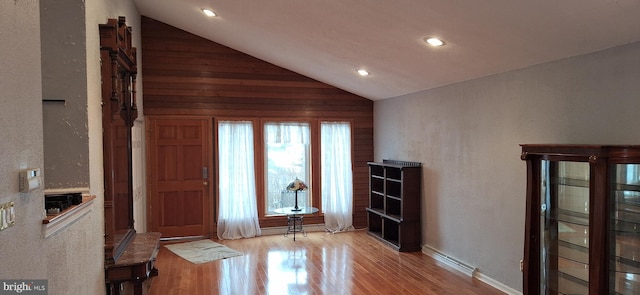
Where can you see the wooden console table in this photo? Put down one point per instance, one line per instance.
(136, 263)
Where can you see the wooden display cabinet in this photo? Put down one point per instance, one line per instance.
(582, 227)
(394, 203)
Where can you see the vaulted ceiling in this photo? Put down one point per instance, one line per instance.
(328, 40)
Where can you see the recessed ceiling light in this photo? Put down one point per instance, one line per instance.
(209, 12)
(433, 41)
(363, 72)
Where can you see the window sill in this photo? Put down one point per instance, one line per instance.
(54, 223)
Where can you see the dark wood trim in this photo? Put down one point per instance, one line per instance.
(119, 111)
(599, 212)
(531, 261)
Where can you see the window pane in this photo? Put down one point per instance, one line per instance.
(287, 153)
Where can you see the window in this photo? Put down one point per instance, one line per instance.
(287, 157)
(314, 151)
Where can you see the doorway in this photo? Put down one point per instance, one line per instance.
(179, 176)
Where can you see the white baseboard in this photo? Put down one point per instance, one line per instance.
(500, 286)
(468, 270)
(450, 261)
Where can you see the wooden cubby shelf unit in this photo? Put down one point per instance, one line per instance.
(394, 203)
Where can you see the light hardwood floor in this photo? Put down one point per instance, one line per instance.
(321, 263)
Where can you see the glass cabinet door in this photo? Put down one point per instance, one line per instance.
(564, 225)
(624, 229)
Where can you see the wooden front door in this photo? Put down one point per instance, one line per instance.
(179, 161)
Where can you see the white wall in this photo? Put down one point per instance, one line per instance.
(67, 259)
(467, 136)
(72, 259)
(20, 137)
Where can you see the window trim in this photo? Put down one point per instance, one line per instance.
(314, 153)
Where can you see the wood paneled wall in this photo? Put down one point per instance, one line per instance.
(184, 74)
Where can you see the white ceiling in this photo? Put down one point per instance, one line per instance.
(328, 40)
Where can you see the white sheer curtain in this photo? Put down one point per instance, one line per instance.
(286, 133)
(238, 209)
(337, 180)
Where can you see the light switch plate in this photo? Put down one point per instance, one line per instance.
(7, 215)
(29, 180)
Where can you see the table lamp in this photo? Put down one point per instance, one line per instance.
(297, 185)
